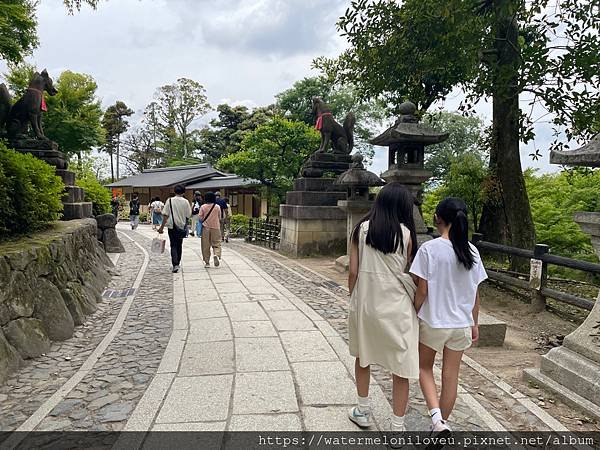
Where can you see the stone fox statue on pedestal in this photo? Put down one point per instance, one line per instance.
(341, 137)
(28, 109)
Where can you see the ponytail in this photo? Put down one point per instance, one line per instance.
(453, 211)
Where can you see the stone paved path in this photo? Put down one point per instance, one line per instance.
(256, 344)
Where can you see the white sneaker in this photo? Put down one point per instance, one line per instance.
(439, 430)
(206, 265)
(394, 441)
(362, 419)
(217, 261)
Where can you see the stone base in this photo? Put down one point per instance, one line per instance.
(342, 264)
(569, 397)
(320, 163)
(73, 194)
(81, 210)
(573, 371)
(491, 331)
(321, 233)
(67, 176)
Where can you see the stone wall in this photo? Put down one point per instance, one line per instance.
(48, 284)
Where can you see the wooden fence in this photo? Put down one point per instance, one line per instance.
(540, 258)
(265, 232)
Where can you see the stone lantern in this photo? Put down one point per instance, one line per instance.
(573, 370)
(406, 141)
(358, 181)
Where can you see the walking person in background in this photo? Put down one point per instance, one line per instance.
(226, 221)
(157, 208)
(382, 323)
(210, 213)
(176, 212)
(114, 205)
(224, 211)
(134, 211)
(448, 271)
(196, 204)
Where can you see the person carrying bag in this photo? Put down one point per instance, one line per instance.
(177, 212)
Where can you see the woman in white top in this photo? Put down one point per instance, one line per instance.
(382, 323)
(448, 271)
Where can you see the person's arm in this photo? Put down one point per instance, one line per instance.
(421, 294)
(201, 213)
(353, 269)
(475, 327)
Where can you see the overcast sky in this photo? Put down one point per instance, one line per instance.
(242, 51)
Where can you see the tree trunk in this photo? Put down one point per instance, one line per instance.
(505, 159)
(112, 167)
(118, 154)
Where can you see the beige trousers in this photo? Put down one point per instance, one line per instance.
(211, 237)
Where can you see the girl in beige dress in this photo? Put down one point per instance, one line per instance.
(382, 323)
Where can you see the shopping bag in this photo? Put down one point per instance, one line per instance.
(158, 245)
(199, 229)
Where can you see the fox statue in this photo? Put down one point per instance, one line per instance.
(16, 119)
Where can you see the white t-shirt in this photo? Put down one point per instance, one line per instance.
(181, 211)
(157, 206)
(451, 288)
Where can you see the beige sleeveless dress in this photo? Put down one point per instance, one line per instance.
(382, 323)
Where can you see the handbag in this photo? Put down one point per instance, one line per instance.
(199, 225)
(180, 233)
(158, 245)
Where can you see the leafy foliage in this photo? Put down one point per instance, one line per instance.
(177, 106)
(466, 136)
(554, 199)
(95, 191)
(273, 154)
(18, 26)
(17, 29)
(115, 123)
(31, 192)
(239, 224)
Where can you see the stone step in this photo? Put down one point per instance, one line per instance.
(314, 198)
(492, 331)
(80, 210)
(566, 395)
(67, 176)
(573, 371)
(316, 184)
(74, 194)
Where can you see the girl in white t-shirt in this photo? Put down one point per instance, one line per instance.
(448, 271)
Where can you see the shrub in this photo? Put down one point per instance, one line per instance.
(95, 193)
(239, 225)
(30, 191)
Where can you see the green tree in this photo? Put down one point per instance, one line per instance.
(178, 105)
(273, 154)
(115, 123)
(466, 136)
(422, 49)
(227, 131)
(18, 26)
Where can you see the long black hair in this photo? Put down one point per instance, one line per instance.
(392, 208)
(453, 211)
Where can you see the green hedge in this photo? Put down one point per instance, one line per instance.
(30, 193)
(95, 193)
(239, 225)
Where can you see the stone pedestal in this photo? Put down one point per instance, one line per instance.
(311, 222)
(412, 179)
(573, 370)
(354, 210)
(47, 151)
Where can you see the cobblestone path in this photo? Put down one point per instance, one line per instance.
(256, 344)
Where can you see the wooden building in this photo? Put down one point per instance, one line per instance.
(244, 194)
